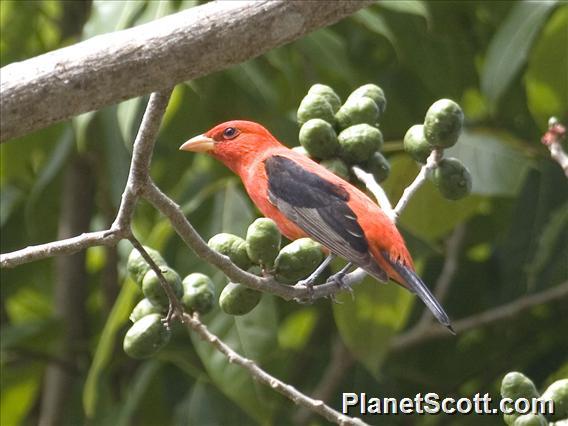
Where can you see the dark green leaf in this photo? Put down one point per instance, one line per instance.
(510, 46)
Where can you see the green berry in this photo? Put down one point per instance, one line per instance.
(198, 293)
(509, 419)
(416, 145)
(530, 420)
(318, 138)
(143, 308)
(298, 260)
(371, 91)
(263, 241)
(237, 299)
(146, 337)
(516, 385)
(137, 266)
(328, 93)
(314, 106)
(337, 167)
(443, 123)
(357, 111)
(558, 392)
(152, 288)
(452, 178)
(378, 166)
(357, 143)
(233, 247)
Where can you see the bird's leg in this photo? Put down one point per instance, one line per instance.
(338, 277)
(309, 282)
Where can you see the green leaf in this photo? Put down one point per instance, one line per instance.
(497, 167)
(109, 16)
(20, 386)
(367, 321)
(106, 345)
(232, 211)
(549, 243)
(545, 79)
(376, 23)
(138, 387)
(57, 159)
(509, 48)
(296, 329)
(10, 197)
(253, 336)
(414, 7)
(117, 158)
(205, 405)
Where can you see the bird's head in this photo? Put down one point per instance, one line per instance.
(235, 143)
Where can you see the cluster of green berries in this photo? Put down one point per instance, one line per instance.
(516, 385)
(261, 250)
(339, 136)
(441, 129)
(148, 334)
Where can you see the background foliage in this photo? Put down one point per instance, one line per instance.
(504, 62)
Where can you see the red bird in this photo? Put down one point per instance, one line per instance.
(307, 200)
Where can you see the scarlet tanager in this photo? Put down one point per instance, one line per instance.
(307, 200)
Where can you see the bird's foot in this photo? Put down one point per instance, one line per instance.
(308, 284)
(339, 279)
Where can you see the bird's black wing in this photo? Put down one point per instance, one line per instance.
(320, 208)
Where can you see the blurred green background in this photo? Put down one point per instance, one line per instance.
(63, 320)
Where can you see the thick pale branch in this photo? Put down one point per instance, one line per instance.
(509, 310)
(113, 67)
(263, 377)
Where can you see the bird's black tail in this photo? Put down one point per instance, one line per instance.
(417, 286)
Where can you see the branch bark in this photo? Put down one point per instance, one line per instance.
(117, 66)
(263, 377)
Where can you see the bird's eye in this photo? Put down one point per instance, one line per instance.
(230, 133)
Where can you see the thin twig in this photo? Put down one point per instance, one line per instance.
(175, 309)
(431, 163)
(137, 178)
(59, 248)
(447, 273)
(553, 140)
(375, 189)
(143, 147)
(265, 378)
(488, 317)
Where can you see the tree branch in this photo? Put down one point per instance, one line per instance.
(449, 269)
(490, 316)
(117, 66)
(553, 140)
(431, 163)
(263, 377)
(375, 189)
(59, 248)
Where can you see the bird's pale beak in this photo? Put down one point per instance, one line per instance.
(199, 143)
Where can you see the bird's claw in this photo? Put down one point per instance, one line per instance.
(308, 284)
(339, 280)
